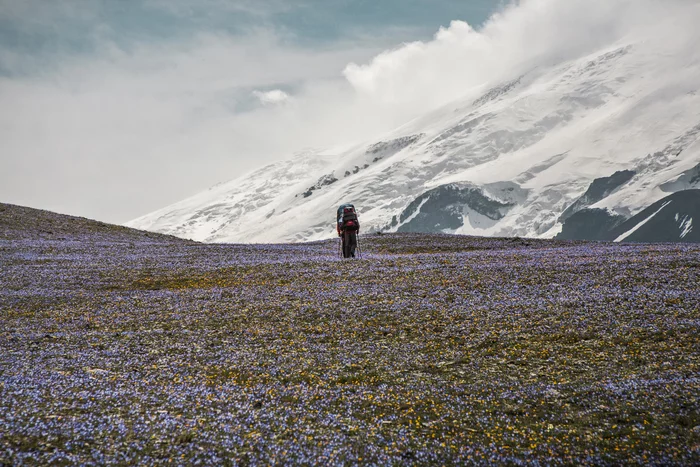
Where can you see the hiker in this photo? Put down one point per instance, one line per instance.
(348, 226)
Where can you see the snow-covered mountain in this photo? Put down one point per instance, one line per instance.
(616, 130)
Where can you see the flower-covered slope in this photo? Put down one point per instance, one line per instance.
(430, 350)
(532, 147)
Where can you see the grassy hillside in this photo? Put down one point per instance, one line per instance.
(430, 350)
(19, 222)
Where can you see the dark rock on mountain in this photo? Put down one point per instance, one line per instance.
(672, 219)
(687, 181)
(326, 180)
(590, 224)
(599, 189)
(443, 208)
(389, 148)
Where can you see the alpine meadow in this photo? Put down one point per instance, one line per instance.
(479, 247)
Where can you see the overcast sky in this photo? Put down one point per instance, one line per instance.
(111, 109)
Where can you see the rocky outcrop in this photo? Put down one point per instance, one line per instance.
(590, 224)
(443, 208)
(388, 148)
(598, 190)
(674, 218)
(686, 181)
(326, 180)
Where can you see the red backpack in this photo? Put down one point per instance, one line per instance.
(350, 222)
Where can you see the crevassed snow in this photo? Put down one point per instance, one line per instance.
(638, 226)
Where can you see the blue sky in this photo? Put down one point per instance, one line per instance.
(49, 29)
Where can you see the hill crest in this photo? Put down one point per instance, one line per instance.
(25, 223)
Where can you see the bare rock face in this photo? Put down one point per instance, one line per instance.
(598, 190)
(671, 219)
(590, 224)
(445, 208)
(686, 181)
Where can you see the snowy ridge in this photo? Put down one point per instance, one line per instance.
(534, 143)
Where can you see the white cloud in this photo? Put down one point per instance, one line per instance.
(117, 136)
(525, 35)
(274, 97)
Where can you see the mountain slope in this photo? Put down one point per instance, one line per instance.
(671, 219)
(23, 223)
(507, 161)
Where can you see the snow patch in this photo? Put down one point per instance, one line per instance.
(417, 211)
(476, 223)
(686, 226)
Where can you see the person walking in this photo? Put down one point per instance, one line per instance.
(348, 227)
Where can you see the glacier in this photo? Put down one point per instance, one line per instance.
(505, 159)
